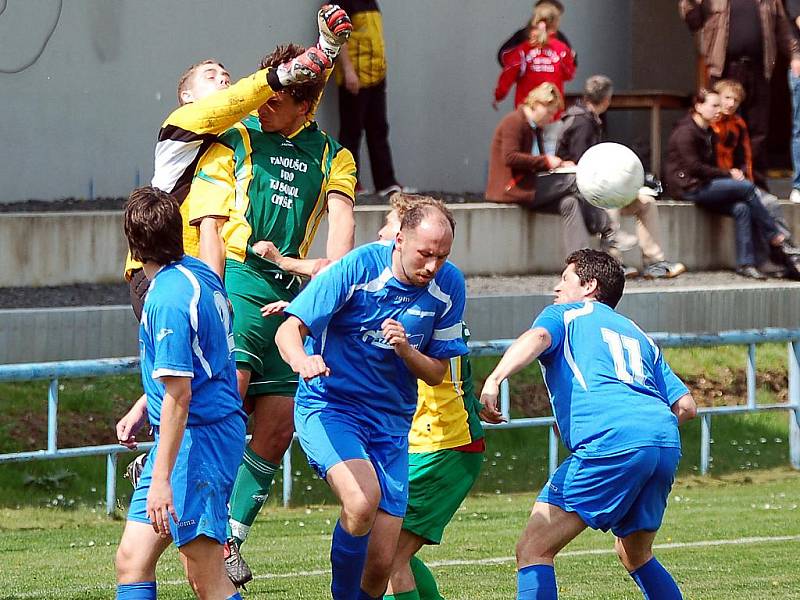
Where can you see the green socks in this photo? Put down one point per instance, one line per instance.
(426, 584)
(250, 491)
(412, 595)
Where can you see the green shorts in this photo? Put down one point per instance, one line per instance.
(438, 482)
(254, 335)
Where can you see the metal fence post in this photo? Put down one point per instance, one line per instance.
(111, 482)
(52, 416)
(505, 399)
(705, 443)
(751, 375)
(794, 401)
(552, 451)
(287, 475)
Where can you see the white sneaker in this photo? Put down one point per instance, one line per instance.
(394, 189)
(794, 196)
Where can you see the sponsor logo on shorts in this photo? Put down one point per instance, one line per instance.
(188, 523)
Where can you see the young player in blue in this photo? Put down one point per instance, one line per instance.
(383, 316)
(189, 378)
(617, 405)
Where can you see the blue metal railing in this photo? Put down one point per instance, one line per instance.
(98, 368)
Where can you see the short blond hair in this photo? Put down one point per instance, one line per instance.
(546, 93)
(731, 85)
(184, 81)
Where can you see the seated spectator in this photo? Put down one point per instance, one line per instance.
(692, 174)
(734, 152)
(583, 129)
(517, 176)
(541, 58)
(521, 35)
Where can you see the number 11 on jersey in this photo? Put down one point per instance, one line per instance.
(629, 370)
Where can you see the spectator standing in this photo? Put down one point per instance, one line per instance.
(740, 39)
(517, 176)
(521, 35)
(582, 129)
(542, 58)
(692, 174)
(793, 12)
(361, 77)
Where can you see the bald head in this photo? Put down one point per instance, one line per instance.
(428, 216)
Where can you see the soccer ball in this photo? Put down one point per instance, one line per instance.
(609, 175)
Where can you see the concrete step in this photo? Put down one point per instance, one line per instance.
(46, 249)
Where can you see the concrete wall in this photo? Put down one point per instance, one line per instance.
(36, 335)
(81, 122)
(38, 249)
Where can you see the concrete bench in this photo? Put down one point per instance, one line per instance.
(41, 249)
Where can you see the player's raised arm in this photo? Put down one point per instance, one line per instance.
(525, 349)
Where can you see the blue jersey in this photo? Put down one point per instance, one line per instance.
(344, 307)
(609, 385)
(186, 332)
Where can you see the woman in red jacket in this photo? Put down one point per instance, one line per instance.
(543, 58)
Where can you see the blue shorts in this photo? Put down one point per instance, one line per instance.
(329, 436)
(202, 480)
(624, 493)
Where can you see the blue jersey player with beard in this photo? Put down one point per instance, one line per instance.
(376, 321)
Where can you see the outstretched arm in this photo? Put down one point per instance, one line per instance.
(525, 349)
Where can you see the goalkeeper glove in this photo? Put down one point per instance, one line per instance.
(334, 29)
(309, 66)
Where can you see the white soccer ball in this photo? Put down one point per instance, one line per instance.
(609, 175)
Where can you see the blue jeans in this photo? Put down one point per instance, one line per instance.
(742, 201)
(794, 89)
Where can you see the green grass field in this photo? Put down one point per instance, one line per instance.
(735, 534)
(731, 537)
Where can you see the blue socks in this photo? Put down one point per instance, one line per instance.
(655, 582)
(537, 582)
(145, 590)
(348, 554)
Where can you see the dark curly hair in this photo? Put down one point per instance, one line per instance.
(301, 92)
(603, 268)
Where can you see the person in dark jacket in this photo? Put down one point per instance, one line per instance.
(692, 174)
(582, 129)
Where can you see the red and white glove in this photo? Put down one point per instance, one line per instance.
(335, 28)
(309, 66)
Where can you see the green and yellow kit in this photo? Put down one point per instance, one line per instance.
(446, 448)
(185, 136)
(277, 187)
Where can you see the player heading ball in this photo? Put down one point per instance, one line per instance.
(618, 406)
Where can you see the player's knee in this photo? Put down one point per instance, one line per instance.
(358, 513)
(128, 563)
(631, 558)
(531, 551)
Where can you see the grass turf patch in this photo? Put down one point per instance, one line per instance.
(735, 536)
